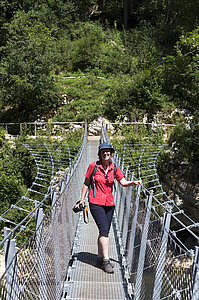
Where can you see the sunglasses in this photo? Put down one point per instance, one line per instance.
(105, 151)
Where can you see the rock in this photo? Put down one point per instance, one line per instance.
(95, 127)
(75, 127)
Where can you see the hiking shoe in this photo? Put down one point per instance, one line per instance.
(107, 266)
(99, 262)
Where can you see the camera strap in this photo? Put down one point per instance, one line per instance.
(85, 214)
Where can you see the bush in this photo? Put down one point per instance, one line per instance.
(184, 140)
(141, 91)
(10, 190)
(85, 96)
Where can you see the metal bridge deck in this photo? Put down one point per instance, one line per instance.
(84, 279)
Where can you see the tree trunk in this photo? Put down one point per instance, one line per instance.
(125, 14)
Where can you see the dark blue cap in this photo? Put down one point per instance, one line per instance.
(105, 146)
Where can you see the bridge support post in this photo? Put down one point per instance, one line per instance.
(127, 214)
(161, 258)
(6, 232)
(56, 245)
(139, 276)
(41, 261)
(122, 204)
(195, 276)
(12, 281)
(133, 227)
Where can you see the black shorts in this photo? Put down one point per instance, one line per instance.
(103, 216)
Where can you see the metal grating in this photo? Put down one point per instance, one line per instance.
(84, 279)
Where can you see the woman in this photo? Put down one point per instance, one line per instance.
(101, 202)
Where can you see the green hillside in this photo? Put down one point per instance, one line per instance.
(70, 60)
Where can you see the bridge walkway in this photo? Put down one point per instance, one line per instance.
(84, 279)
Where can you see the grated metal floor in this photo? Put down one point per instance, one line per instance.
(84, 279)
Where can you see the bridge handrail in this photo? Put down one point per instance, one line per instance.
(14, 273)
(142, 224)
(169, 203)
(31, 188)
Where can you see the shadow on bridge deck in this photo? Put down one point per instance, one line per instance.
(84, 279)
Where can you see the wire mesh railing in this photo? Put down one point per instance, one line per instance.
(53, 164)
(157, 264)
(37, 270)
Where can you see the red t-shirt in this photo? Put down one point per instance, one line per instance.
(103, 184)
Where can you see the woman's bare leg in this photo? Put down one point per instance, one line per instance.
(103, 246)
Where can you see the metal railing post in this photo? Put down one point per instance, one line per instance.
(122, 204)
(115, 182)
(138, 284)
(41, 261)
(161, 258)
(195, 276)
(12, 282)
(56, 244)
(133, 227)
(127, 214)
(69, 156)
(6, 232)
(119, 196)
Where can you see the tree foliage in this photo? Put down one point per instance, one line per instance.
(188, 132)
(181, 72)
(28, 60)
(17, 171)
(41, 39)
(116, 73)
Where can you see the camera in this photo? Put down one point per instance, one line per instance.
(81, 207)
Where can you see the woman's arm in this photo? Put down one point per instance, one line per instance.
(126, 183)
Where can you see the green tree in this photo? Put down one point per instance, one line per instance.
(171, 18)
(181, 72)
(57, 15)
(86, 46)
(29, 58)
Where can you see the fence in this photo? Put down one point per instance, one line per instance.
(157, 264)
(41, 128)
(38, 269)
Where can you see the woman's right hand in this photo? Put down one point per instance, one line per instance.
(80, 202)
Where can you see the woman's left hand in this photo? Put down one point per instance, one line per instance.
(138, 182)
(126, 183)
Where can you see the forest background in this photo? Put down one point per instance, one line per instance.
(70, 60)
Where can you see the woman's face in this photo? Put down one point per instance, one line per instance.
(105, 154)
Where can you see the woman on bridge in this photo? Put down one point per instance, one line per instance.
(100, 176)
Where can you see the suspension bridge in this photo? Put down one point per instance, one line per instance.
(58, 260)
